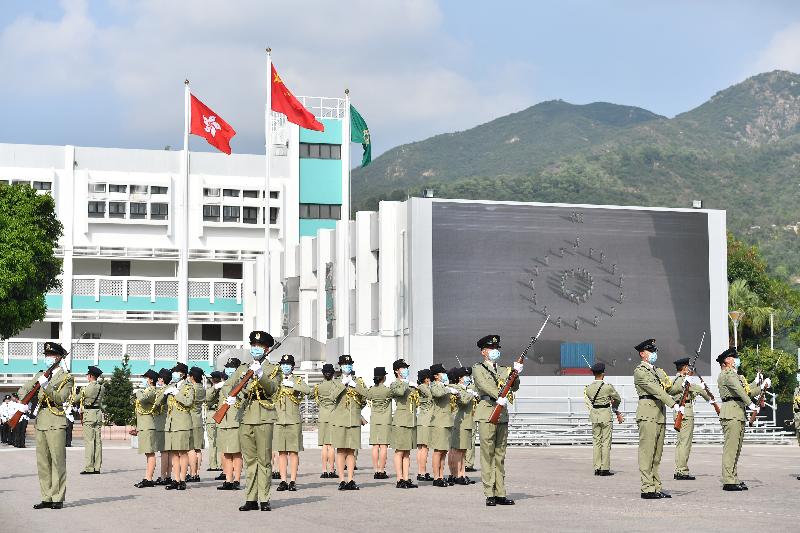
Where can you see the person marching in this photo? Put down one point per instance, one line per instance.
(228, 430)
(145, 407)
(601, 399)
(404, 423)
(489, 379)
(197, 441)
(288, 437)
(464, 401)
(683, 447)
(160, 422)
(178, 426)
(257, 418)
(323, 397)
(349, 395)
(91, 402)
(441, 422)
(211, 404)
(651, 385)
(380, 422)
(423, 423)
(796, 409)
(737, 396)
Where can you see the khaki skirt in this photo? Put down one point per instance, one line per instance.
(198, 441)
(228, 440)
(324, 433)
(178, 441)
(287, 438)
(423, 435)
(440, 438)
(148, 441)
(379, 434)
(161, 437)
(403, 439)
(346, 437)
(461, 439)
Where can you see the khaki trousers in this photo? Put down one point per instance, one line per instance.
(733, 433)
(684, 446)
(51, 463)
(651, 447)
(601, 438)
(213, 453)
(494, 439)
(93, 446)
(256, 443)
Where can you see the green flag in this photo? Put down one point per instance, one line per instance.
(359, 133)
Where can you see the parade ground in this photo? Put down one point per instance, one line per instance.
(553, 487)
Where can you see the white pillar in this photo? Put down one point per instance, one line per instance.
(182, 214)
(343, 233)
(65, 198)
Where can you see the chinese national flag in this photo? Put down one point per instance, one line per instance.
(284, 102)
(210, 126)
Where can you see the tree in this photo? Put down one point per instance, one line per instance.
(119, 396)
(777, 365)
(29, 232)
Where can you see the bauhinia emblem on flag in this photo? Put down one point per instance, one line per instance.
(359, 133)
(283, 101)
(210, 126)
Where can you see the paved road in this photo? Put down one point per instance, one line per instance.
(553, 486)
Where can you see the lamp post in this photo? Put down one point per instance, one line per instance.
(736, 316)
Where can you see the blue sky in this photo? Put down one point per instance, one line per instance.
(110, 72)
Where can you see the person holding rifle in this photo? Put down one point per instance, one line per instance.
(601, 399)
(736, 395)
(91, 403)
(651, 385)
(54, 392)
(489, 379)
(684, 445)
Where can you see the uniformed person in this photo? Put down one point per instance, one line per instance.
(683, 446)
(441, 422)
(211, 404)
(796, 409)
(257, 417)
(651, 385)
(51, 424)
(91, 403)
(349, 393)
(288, 437)
(404, 423)
(18, 433)
(464, 401)
(379, 398)
(160, 421)
(737, 396)
(322, 395)
(178, 426)
(469, 457)
(197, 440)
(423, 423)
(7, 410)
(228, 430)
(489, 379)
(145, 407)
(601, 399)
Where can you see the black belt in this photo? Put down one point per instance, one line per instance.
(731, 400)
(601, 406)
(648, 397)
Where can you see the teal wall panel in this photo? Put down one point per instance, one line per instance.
(53, 301)
(331, 135)
(220, 305)
(310, 226)
(320, 181)
(143, 303)
(80, 367)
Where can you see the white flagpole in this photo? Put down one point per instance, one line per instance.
(183, 256)
(267, 213)
(345, 219)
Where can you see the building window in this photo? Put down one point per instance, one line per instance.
(273, 194)
(232, 270)
(212, 193)
(211, 213)
(138, 189)
(211, 332)
(42, 185)
(233, 193)
(138, 210)
(158, 190)
(251, 194)
(230, 213)
(116, 209)
(250, 215)
(97, 187)
(120, 268)
(273, 215)
(117, 188)
(324, 211)
(313, 210)
(97, 209)
(320, 151)
(159, 211)
(54, 330)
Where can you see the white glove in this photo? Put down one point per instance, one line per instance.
(22, 407)
(68, 412)
(518, 367)
(474, 394)
(171, 390)
(412, 384)
(677, 408)
(502, 401)
(219, 385)
(452, 390)
(347, 380)
(752, 407)
(767, 383)
(255, 366)
(288, 383)
(350, 382)
(42, 380)
(230, 400)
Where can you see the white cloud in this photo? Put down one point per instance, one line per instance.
(407, 77)
(783, 51)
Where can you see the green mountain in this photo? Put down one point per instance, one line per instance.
(738, 151)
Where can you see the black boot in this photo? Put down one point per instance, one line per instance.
(57, 505)
(265, 506)
(282, 486)
(43, 505)
(249, 506)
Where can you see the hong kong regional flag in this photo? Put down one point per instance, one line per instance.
(284, 102)
(211, 127)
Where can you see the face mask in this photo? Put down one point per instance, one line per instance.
(737, 363)
(286, 369)
(444, 379)
(404, 373)
(494, 354)
(347, 369)
(256, 352)
(652, 358)
(467, 381)
(49, 361)
(145, 383)
(176, 377)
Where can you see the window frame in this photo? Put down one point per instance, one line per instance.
(211, 217)
(137, 215)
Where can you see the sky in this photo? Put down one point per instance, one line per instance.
(110, 72)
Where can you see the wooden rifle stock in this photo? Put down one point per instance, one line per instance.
(14, 420)
(710, 394)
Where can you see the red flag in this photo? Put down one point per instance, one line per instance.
(210, 126)
(285, 102)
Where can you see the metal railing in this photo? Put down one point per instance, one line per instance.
(153, 287)
(323, 107)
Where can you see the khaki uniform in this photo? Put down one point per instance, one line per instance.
(404, 421)
(651, 385)
(735, 395)
(424, 415)
(146, 407)
(198, 440)
(601, 399)
(228, 429)
(51, 433)
(322, 395)
(380, 419)
(288, 435)
(257, 418)
(346, 418)
(160, 418)
(178, 425)
(441, 417)
(212, 402)
(91, 403)
(684, 445)
(796, 410)
(488, 382)
(461, 437)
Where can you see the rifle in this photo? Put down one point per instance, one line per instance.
(14, 420)
(512, 377)
(223, 408)
(762, 398)
(687, 385)
(620, 418)
(710, 394)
